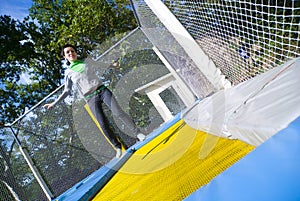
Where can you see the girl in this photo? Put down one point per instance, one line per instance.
(95, 93)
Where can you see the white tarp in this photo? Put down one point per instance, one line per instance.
(254, 110)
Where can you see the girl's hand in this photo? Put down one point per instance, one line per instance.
(115, 64)
(48, 105)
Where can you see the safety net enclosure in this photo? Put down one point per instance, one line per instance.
(242, 38)
(209, 82)
(246, 55)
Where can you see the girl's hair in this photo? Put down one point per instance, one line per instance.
(65, 46)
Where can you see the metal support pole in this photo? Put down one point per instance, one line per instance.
(33, 168)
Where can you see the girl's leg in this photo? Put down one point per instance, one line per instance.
(95, 104)
(117, 111)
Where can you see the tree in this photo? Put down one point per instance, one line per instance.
(33, 46)
(15, 51)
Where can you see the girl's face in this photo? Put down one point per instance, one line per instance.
(70, 54)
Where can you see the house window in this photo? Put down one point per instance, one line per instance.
(168, 95)
(172, 100)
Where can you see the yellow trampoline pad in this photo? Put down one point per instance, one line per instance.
(173, 165)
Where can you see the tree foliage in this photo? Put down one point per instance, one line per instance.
(15, 51)
(33, 46)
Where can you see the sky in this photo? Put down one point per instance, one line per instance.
(17, 9)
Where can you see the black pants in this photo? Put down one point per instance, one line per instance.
(95, 103)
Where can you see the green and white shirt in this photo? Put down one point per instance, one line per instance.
(78, 74)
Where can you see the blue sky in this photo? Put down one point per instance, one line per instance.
(17, 9)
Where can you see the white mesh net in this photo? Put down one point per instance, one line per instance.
(243, 38)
